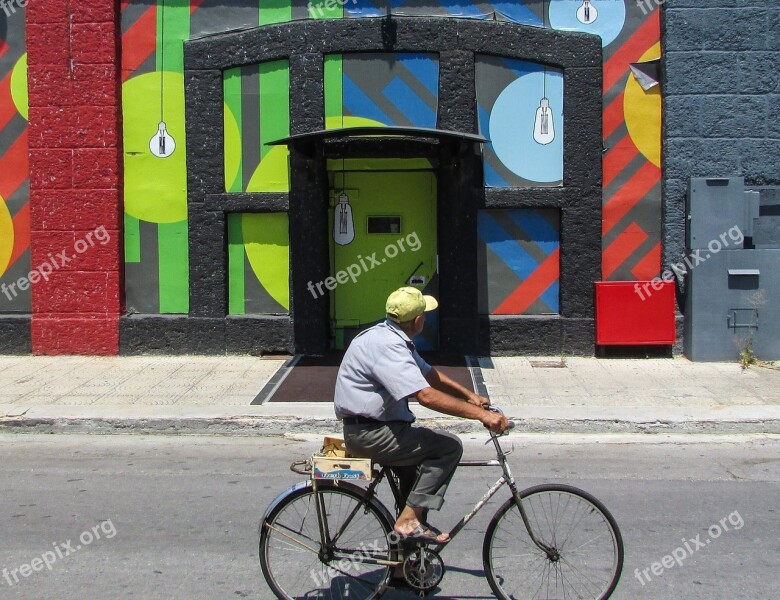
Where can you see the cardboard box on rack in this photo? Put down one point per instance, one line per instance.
(329, 467)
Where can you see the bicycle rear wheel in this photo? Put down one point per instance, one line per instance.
(295, 563)
(577, 525)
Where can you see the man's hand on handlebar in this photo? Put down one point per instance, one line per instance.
(477, 400)
(495, 422)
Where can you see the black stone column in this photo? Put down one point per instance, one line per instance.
(308, 208)
(458, 190)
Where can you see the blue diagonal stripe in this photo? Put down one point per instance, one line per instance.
(410, 104)
(537, 228)
(522, 67)
(357, 103)
(551, 297)
(510, 251)
(425, 69)
(484, 121)
(492, 177)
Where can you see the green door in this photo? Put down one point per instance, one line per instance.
(382, 237)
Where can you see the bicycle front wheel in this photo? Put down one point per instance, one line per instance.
(588, 547)
(296, 564)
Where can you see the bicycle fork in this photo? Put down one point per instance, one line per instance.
(552, 553)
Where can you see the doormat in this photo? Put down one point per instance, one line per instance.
(313, 378)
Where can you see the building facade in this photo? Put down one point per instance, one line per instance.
(202, 176)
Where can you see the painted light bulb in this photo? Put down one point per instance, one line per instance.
(162, 144)
(587, 13)
(544, 128)
(343, 223)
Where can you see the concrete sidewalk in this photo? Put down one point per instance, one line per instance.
(195, 394)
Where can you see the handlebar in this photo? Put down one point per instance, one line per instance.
(495, 409)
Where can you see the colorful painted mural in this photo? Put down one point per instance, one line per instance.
(14, 169)
(398, 89)
(519, 261)
(520, 110)
(382, 89)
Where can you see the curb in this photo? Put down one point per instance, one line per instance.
(253, 425)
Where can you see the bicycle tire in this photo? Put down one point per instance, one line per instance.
(564, 517)
(294, 571)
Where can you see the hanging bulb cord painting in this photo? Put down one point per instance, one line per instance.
(162, 145)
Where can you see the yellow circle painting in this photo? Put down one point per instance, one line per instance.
(643, 113)
(155, 188)
(6, 236)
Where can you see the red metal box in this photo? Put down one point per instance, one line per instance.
(632, 313)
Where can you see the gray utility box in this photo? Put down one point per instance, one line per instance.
(732, 293)
(715, 205)
(732, 300)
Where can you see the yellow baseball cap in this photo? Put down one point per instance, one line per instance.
(407, 303)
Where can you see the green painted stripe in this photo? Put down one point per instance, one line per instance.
(334, 91)
(275, 11)
(232, 87)
(173, 246)
(274, 102)
(236, 301)
(173, 26)
(132, 239)
(320, 9)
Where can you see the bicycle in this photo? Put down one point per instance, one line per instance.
(548, 541)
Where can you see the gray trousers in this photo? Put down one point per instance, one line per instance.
(435, 454)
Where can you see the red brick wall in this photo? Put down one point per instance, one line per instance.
(75, 175)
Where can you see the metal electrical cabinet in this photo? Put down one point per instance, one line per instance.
(732, 276)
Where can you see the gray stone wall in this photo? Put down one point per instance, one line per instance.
(721, 89)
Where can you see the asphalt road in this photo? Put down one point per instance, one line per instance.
(176, 517)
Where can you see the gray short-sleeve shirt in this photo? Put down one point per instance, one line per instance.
(380, 370)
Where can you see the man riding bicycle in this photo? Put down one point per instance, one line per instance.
(380, 372)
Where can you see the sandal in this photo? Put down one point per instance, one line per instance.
(425, 534)
(436, 531)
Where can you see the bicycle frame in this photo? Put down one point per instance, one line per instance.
(328, 543)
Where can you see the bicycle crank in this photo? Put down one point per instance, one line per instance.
(423, 570)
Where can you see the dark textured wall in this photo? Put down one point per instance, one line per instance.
(721, 90)
(460, 185)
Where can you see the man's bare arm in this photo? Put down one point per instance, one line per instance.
(449, 405)
(442, 382)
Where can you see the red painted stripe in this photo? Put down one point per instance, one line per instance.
(3, 48)
(618, 158)
(649, 266)
(21, 233)
(7, 106)
(534, 286)
(617, 65)
(195, 5)
(623, 247)
(614, 116)
(124, 4)
(14, 167)
(139, 42)
(627, 196)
